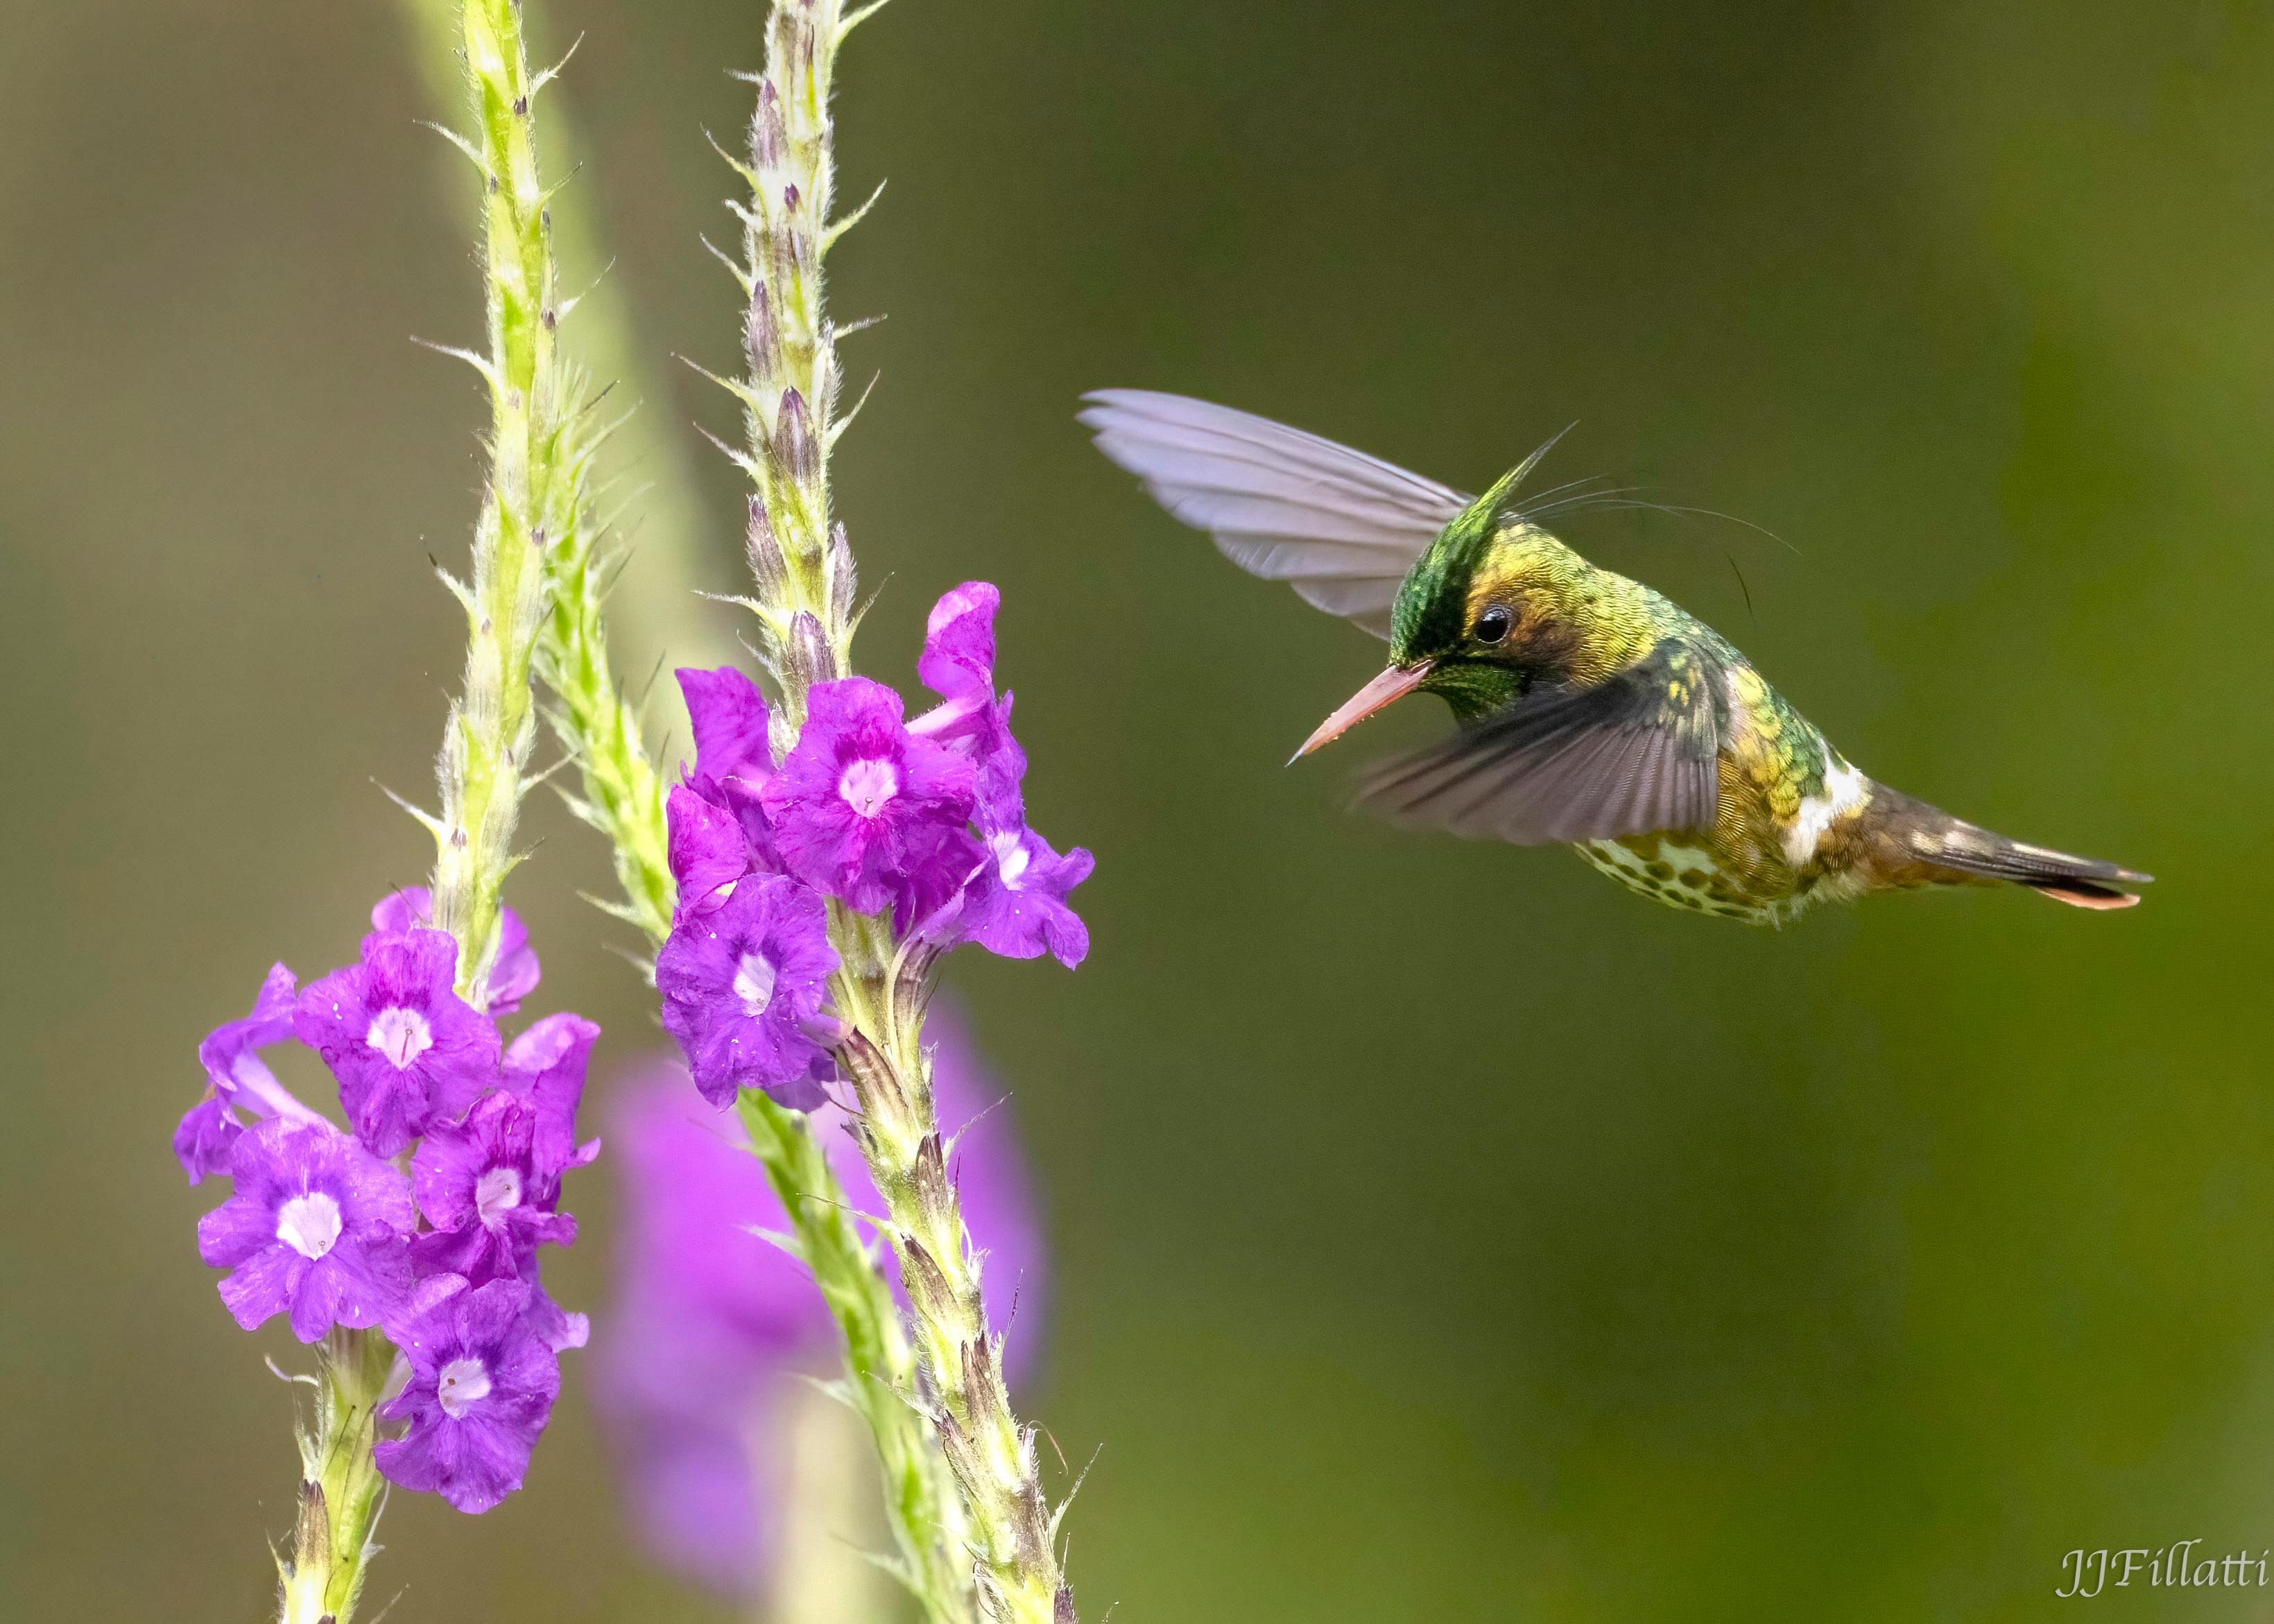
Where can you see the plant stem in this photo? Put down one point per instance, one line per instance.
(648, 599)
(882, 1369)
(621, 798)
(620, 793)
(322, 1577)
(534, 500)
(535, 492)
(804, 568)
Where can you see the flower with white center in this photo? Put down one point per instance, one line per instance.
(483, 1380)
(1010, 856)
(406, 1049)
(489, 1194)
(309, 1224)
(399, 1035)
(754, 983)
(865, 811)
(866, 785)
(742, 987)
(463, 1384)
(496, 1193)
(1016, 905)
(318, 1229)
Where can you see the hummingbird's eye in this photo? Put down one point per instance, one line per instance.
(1491, 626)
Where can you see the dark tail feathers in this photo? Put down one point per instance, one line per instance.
(2080, 882)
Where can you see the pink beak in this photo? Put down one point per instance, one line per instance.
(1391, 685)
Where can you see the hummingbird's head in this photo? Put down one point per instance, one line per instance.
(1495, 605)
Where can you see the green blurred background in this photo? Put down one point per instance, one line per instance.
(1440, 1232)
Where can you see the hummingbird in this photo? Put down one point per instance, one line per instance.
(1592, 711)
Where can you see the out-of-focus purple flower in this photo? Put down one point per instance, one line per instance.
(708, 851)
(545, 1066)
(488, 1194)
(741, 986)
(712, 1327)
(1016, 905)
(236, 1075)
(514, 973)
(865, 810)
(404, 1046)
(317, 1229)
(483, 1380)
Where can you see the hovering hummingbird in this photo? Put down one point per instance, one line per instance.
(1593, 710)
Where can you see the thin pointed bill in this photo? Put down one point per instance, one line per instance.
(1392, 685)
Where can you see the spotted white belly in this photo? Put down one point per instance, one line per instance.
(1681, 876)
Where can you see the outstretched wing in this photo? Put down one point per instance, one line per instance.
(1341, 527)
(1627, 756)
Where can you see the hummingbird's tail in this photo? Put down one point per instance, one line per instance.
(1949, 842)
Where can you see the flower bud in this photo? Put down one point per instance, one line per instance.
(810, 660)
(768, 138)
(767, 564)
(793, 442)
(761, 341)
(844, 577)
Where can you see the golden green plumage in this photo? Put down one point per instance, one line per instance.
(1791, 822)
(1594, 711)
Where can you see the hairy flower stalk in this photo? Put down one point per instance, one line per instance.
(882, 1385)
(340, 1487)
(803, 569)
(535, 498)
(621, 797)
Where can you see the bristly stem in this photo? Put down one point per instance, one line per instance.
(881, 1385)
(619, 791)
(803, 570)
(533, 502)
(621, 797)
(533, 498)
(320, 1578)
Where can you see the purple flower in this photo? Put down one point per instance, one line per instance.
(236, 1075)
(958, 664)
(743, 984)
(1013, 903)
(708, 851)
(733, 758)
(1016, 905)
(713, 1328)
(865, 810)
(488, 1193)
(483, 1380)
(317, 1229)
(545, 1066)
(729, 717)
(404, 1045)
(206, 1136)
(513, 977)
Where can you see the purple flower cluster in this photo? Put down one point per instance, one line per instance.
(425, 1219)
(713, 1331)
(921, 819)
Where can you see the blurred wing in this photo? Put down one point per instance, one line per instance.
(1341, 527)
(1628, 756)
